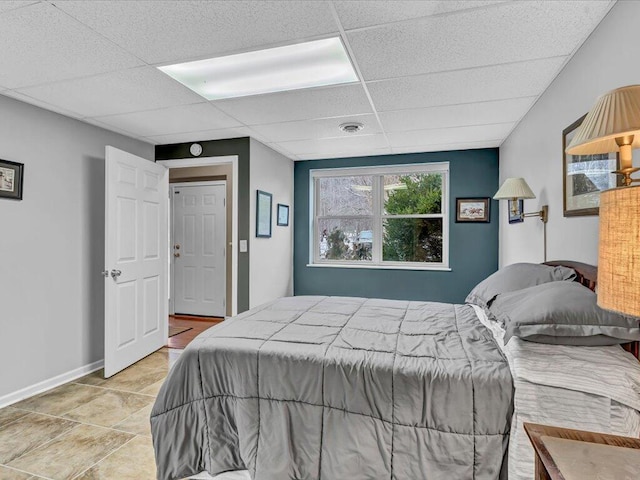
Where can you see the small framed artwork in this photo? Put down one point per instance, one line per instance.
(515, 213)
(585, 176)
(11, 179)
(283, 215)
(473, 209)
(263, 214)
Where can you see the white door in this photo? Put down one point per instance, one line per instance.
(136, 264)
(199, 249)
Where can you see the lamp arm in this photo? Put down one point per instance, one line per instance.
(543, 214)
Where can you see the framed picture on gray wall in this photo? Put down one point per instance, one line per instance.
(11, 179)
(283, 215)
(585, 176)
(516, 211)
(263, 214)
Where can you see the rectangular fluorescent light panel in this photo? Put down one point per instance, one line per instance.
(304, 65)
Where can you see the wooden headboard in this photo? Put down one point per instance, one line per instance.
(587, 275)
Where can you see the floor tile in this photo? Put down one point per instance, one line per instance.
(158, 361)
(137, 423)
(9, 414)
(109, 408)
(72, 453)
(132, 379)
(95, 378)
(153, 389)
(28, 433)
(8, 474)
(174, 355)
(60, 400)
(134, 461)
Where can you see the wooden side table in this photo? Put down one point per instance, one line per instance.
(565, 454)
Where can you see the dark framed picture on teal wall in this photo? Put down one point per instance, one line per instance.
(263, 214)
(474, 210)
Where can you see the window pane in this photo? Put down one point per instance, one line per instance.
(413, 194)
(345, 196)
(412, 240)
(342, 239)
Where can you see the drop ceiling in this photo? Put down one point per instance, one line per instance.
(434, 75)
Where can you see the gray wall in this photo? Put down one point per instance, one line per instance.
(473, 246)
(214, 148)
(271, 268)
(607, 60)
(52, 244)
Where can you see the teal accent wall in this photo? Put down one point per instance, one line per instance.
(473, 247)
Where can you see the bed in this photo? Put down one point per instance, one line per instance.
(338, 387)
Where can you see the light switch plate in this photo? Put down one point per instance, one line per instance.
(243, 246)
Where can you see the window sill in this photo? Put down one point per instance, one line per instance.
(380, 267)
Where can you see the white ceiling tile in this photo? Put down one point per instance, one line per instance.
(336, 145)
(280, 149)
(82, 58)
(38, 103)
(41, 44)
(180, 119)
(509, 32)
(363, 13)
(141, 88)
(167, 31)
(94, 122)
(441, 136)
(298, 105)
(465, 86)
(6, 5)
(320, 128)
(201, 136)
(363, 152)
(441, 147)
(499, 111)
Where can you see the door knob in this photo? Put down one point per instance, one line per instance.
(115, 273)
(177, 254)
(177, 246)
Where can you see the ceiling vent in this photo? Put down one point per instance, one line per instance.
(351, 127)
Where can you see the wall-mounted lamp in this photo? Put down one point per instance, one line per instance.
(516, 189)
(612, 125)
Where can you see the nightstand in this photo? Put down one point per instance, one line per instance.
(564, 454)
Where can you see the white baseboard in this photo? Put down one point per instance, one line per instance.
(50, 383)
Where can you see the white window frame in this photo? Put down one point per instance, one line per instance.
(378, 217)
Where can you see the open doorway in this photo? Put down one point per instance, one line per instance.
(203, 231)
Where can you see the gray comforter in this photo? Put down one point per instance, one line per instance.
(338, 388)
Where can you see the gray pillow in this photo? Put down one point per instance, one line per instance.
(563, 313)
(516, 277)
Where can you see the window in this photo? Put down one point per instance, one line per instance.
(394, 217)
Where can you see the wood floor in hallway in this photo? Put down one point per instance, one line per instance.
(197, 325)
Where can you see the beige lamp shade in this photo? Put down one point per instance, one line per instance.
(616, 114)
(514, 188)
(619, 251)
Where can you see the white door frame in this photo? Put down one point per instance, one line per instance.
(172, 283)
(222, 160)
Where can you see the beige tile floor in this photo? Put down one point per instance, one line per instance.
(90, 429)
